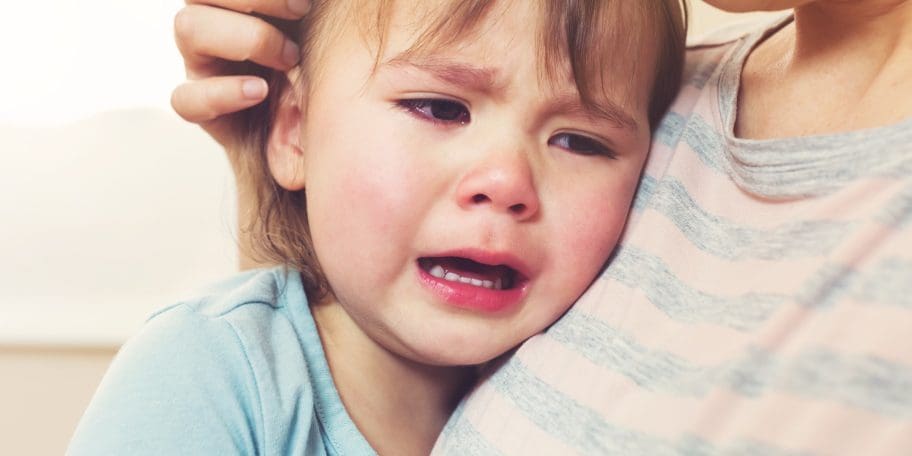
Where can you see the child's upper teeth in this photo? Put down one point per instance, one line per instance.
(440, 273)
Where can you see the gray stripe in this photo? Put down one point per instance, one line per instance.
(862, 381)
(831, 158)
(772, 170)
(649, 274)
(730, 241)
(670, 129)
(888, 282)
(645, 190)
(826, 287)
(902, 166)
(462, 438)
(897, 213)
(706, 143)
(729, 78)
(653, 370)
(585, 430)
(698, 71)
(793, 167)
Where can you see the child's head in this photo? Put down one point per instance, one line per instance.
(455, 174)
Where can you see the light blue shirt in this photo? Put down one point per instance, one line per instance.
(239, 370)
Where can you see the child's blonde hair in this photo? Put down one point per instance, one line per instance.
(587, 34)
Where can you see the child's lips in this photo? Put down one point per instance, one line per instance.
(477, 296)
(475, 279)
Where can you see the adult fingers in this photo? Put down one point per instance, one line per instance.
(208, 99)
(206, 35)
(282, 9)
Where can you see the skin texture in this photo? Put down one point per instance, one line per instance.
(502, 180)
(859, 49)
(743, 6)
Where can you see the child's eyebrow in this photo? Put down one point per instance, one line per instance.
(480, 79)
(606, 110)
(485, 80)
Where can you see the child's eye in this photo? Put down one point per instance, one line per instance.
(580, 145)
(437, 110)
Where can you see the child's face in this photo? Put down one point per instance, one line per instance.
(466, 164)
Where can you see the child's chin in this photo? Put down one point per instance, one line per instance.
(454, 356)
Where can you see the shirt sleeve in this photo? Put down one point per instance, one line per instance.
(183, 385)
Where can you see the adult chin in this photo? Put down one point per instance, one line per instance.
(743, 6)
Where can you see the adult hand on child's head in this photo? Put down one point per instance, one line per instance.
(218, 39)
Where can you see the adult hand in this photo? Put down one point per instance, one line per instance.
(228, 46)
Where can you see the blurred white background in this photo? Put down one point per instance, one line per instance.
(110, 205)
(67, 59)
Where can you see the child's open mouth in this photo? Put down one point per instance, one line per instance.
(464, 270)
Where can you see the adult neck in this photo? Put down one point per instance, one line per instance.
(878, 28)
(399, 405)
(840, 66)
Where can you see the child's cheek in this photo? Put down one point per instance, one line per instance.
(371, 199)
(383, 182)
(594, 222)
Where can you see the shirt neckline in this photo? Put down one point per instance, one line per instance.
(338, 428)
(792, 167)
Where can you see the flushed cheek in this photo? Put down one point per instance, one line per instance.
(365, 203)
(591, 230)
(367, 160)
(362, 209)
(381, 192)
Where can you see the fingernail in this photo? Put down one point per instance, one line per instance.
(254, 89)
(291, 53)
(300, 7)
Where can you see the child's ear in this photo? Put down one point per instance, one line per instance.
(284, 152)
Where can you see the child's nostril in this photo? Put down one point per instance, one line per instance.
(518, 208)
(480, 198)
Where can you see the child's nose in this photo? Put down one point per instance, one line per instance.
(504, 183)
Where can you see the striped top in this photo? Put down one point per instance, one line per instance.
(760, 301)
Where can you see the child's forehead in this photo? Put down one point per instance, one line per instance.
(445, 22)
(613, 60)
